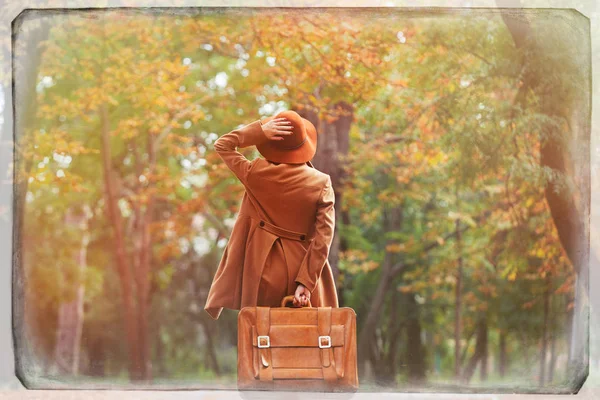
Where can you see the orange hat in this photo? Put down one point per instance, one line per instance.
(297, 148)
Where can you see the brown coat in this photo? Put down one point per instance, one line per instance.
(282, 234)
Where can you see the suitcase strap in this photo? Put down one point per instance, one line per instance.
(327, 357)
(263, 324)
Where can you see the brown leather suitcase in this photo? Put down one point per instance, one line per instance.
(297, 348)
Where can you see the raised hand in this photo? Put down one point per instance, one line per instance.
(276, 128)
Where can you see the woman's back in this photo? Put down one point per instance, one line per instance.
(288, 193)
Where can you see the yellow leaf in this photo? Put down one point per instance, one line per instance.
(512, 276)
(369, 266)
(405, 289)
(112, 100)
(395, 248)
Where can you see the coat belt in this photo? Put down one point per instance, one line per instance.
(286, 233)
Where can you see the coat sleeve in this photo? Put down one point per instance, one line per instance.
(318, 250)
(248, 135)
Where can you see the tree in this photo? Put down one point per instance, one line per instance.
(570, 215)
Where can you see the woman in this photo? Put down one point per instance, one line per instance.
(280, 241)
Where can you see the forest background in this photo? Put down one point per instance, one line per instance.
(459, 152)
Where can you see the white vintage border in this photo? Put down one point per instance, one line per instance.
(11, 388)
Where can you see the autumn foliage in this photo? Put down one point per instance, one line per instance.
(444, 227)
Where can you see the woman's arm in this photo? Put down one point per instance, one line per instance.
(318, 250)
(245, 136)
(252, 134)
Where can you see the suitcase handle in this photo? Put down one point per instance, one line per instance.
(290, 298)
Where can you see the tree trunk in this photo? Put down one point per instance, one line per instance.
(97, 356)
(545, 332)
(70, 313)
(578, 364)
(458, 305)
(465, 349)
(394, 340)
(480, 350)
(415, 352)
(392, 221)
(483, 364)
(210, 347)
(570, 218)
(129, 314)
(552, 365)
(367, 332)
(525, 349)
(344, 247)
(502, 359)
(143, 240)
(160, 357)
(375, 358)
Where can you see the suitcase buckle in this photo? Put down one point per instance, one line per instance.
(324, 342)
(264, 339)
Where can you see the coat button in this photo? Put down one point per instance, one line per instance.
(302, 237)
(262, 223)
